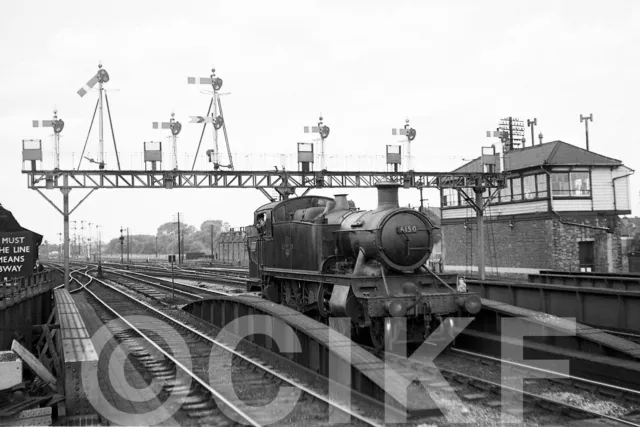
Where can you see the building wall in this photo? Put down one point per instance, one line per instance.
(607, 246)
(533, 243)
(526, 245)
(602, 189)
(622, 196)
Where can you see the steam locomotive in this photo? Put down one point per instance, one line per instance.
(323, 257)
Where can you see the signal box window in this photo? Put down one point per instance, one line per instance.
(542, 185)
(529, 184)
(571, 184)
(505, 193)
(516, 187)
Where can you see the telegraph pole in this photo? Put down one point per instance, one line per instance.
(99, 247)
(211, 244)
(89, 239)
(65, 214)
(81, 239)
(128, 247)
(511, 132)
(72, 249)
(531, 124)
(121, 246)
(586, 119)
(480, 225)
(179, 238)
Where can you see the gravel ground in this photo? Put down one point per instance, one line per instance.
(8, 356)
(208, 285)
(557, 391)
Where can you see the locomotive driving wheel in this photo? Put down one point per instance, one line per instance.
(322, 300)
(376, 332)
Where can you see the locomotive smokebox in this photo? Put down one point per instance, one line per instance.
(387, 195)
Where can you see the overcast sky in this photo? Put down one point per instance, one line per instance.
(454, 68)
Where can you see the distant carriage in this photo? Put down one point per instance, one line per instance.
(232, 247)
(196, 255)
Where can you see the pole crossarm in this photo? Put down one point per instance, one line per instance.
(258, 179)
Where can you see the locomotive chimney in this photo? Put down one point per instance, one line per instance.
(387, 195)
(341, 201)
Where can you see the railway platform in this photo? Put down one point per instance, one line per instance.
(75, 349)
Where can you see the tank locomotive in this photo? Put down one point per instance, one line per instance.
(323, 257)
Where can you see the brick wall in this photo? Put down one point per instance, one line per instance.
(534, 243)
(567, 237)
(528, 244)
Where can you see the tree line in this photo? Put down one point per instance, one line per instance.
(165, 241)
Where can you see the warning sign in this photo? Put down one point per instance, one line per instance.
(16, 258)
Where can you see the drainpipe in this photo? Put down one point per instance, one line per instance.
(615, 206)
(613, 183)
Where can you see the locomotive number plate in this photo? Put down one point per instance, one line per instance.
(407, 229)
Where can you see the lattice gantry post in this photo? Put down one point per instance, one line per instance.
(410, 134)
(175, 127)
(323, 130)
(101, 77)
(216, 120)
(57, 125)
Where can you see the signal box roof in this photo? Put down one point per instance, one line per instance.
(554, 153)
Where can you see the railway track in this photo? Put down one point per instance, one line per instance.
(580, 393)
(560, 400)
(477, 379)
(229, 278)
(209, 399)
(192, 291)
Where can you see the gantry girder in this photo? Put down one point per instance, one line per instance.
(95, 179)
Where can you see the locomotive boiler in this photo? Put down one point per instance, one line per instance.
(323, 257)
